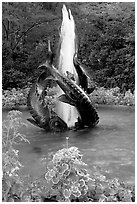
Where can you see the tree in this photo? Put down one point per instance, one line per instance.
(105, 32)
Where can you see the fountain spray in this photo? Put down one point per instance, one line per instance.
(65, 63)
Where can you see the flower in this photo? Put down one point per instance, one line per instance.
(66, 193)
(55, 179)
(77, 194)
(52, 173)
(74, 188)
(82, 182)
(48, 176)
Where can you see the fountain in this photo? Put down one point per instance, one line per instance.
(67, 46)
(72, 105)
(106, 146)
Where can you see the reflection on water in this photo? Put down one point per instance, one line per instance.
(110, 145)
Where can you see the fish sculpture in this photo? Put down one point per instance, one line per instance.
(42, 116)
(75, 96)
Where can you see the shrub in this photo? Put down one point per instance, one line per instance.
(129, 98)
(66, 175)
(12, 183)
(102, 189)
(112, 96)
(14, 97)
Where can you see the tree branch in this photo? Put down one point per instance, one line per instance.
(6, 30)
(24, 33)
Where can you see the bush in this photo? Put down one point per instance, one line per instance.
(129, 98)
(11, 181)
(112, 96)
(66, 176)
(14, 97)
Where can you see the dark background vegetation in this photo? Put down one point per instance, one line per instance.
(106, 39)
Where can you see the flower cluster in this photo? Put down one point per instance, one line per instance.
(67, 174)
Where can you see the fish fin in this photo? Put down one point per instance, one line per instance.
(63, 98)
(33, 122)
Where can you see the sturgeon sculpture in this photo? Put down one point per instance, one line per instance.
(42, 116)
(75, 96)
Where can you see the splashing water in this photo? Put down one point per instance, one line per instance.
(67, 50)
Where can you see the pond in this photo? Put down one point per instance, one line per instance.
(110, 145)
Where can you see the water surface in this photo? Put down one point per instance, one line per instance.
(110, 145)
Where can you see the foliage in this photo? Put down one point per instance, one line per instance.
(108, 44)
(14, 97)
(51, 98)
(66, 176)
(11, 181)
(112, 96)
(129, 98)
(106, 37)
(102, 189)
